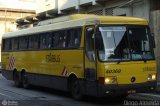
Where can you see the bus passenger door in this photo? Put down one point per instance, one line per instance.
(90, 63)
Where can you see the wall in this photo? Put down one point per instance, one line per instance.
(45, 5)
(61, 5)
(155, 25)
(141, 9)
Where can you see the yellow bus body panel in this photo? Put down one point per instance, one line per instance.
(72, 61)
(38, 62)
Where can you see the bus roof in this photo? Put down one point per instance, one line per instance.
(75, 21)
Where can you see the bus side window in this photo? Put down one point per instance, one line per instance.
(59, 39)
(90, 43)
(43, 41)
(30, 42)
(53, 40)
(56, 39)
(3, 44)
(65, 40)
(15, 44)
(23, 42)
(77, 38)
(8, 44)
(50, 41)
(71, 38)
(74, 36)
(34, 42)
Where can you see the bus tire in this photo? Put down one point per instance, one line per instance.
(17, 81)
(25, 83)
(75, 89)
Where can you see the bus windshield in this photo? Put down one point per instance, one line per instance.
(118, 43)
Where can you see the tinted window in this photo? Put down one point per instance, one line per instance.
(34, 41)
(74, 36)
(3, 44)
(23, 42)
(90, 43)
(60, 39)
(68, 38)
(8, 44)
(15, 44)
(43, 41)
(50, 41)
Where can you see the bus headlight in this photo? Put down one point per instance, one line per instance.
(151, 77)
(110, 80)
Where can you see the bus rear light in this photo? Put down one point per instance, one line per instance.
(101, 80)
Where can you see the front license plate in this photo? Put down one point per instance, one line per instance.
(131, 91)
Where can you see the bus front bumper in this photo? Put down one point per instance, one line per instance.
(126, 89)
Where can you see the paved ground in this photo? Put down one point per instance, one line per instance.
(39, 96)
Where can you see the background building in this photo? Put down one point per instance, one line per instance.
(138, 8)
(11, 10)
(155, 25)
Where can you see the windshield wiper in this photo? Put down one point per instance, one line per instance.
(138, 54)
(145, 60)
(119, 61)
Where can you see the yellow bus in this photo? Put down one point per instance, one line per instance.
(83, 54)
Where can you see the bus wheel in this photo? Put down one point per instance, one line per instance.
(75, 89)
(17, 81)
(25, 81)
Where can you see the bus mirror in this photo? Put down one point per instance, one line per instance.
(153, 41)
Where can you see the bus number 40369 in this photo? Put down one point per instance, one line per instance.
(114, 71)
